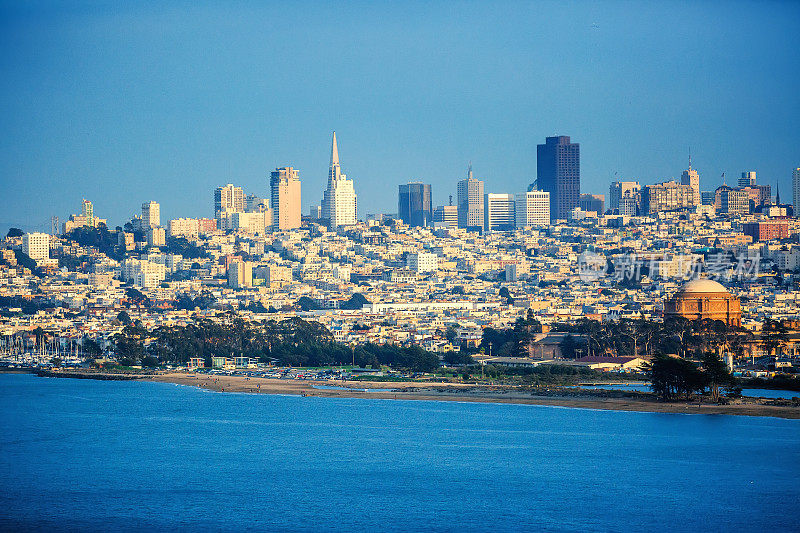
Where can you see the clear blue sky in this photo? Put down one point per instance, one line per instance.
(134, 101)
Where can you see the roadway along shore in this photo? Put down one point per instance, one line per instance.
(457, 392)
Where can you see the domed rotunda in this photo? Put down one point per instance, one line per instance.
(704, 298)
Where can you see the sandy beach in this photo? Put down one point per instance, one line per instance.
(472, 393)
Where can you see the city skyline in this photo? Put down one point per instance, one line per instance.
(126, 117)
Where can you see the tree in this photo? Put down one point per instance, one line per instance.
(716, 373)
(774, 335)
(14, 232)
(124, 318)
(306, 304)
(673, 377)
(356, 301)
(92, 349)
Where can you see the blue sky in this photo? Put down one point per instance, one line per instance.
(123, 103)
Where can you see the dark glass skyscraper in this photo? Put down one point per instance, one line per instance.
(414, 206)
(558, 170)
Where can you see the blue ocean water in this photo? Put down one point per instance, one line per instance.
(94, 455)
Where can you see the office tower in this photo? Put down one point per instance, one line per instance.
(470, 202)
(558, 170)
(88, 212)
(315, 212)
(748, 179)
(667, 196)
(36, 246)
(732, 201)
(151, 215)
(623, 189)
(285, 185)
(707, 197)
(532, 208)
(692, 178)
(796, 191)
(414, 205)
(445, 216)
(593, 202)
(228, 198)
(499, 212)
(339, 199)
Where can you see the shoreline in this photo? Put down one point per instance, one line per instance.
(457, 392)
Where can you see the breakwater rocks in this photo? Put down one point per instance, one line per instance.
(104, 376)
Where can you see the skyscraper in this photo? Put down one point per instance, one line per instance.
(228, 198)
(470, 202)
(151, 215)
(796, 191)
(88, 212)
(532, 208)
(558, 170)
(692, 178)
(414, 204)
(285, 201)
(339, 199)
(499, 212)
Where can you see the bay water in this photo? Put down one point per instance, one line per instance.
(138, 456)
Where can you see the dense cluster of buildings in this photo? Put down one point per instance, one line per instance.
(430, 276)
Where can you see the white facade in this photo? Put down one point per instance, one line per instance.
(36, 245)
(339, 202)
(143, 273)
(151, 215)
(254, 223)
(228, 197)
(532, 209)
(183, 227)
(422, 262)
(156, 237)
(500, 212)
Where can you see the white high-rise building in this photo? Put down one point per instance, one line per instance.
(470, 202)
(151, 215)
(499, 212)
(532, 209)
(36, 246)
(796, 190)
(339, 200)
(228, 198)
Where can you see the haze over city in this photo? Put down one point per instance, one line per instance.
(124, 104)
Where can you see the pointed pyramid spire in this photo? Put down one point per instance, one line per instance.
(334, 151)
